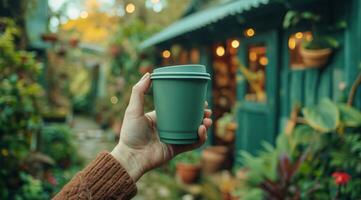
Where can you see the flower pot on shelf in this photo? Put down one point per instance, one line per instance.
(214, 159)
(188, 173)
(315, 58)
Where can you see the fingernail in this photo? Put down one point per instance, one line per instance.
(145, 76)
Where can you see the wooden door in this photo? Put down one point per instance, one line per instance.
(257, 109)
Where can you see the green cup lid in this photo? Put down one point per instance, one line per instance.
(180, 77)
(181, 71)
(182, 68)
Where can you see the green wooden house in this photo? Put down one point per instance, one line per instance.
(249, 33)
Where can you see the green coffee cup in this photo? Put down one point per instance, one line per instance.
(179, 95)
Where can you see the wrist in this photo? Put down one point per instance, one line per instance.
(128, 159)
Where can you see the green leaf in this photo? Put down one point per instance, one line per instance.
(349, 116)
(324, 117)
(310, 16)
(290, 15)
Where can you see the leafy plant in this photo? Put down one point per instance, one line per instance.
(313, 20)
(32, 189)
(21, 123)
(19, 112)
(58, 144)
(326, 149)
(324, 117)
(191, 157)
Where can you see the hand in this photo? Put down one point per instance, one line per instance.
(140, 149)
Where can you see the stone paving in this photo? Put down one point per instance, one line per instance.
(90, 139)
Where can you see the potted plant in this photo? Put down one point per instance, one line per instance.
(316, 52)
(188, 167)
(214, 158)
(49, 37)
(74, 42)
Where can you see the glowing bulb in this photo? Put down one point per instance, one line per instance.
(235, 44)
(263, 60)
(155, 1)
(84, 14)
(252, 56)
(130, 8)
(250, 32)
(299, 35)
(114, 99)
(292, 43)
(166, 54)
(220, 51)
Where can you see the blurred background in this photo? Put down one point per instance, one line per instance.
(285, 93)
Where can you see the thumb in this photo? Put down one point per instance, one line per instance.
(136, 102)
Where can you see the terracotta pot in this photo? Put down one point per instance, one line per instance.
(214, 159)
(315, 58)
(73, 42)
(114, 50)
(188, 173)
(50, 37)
(145, 69)
(228, 196)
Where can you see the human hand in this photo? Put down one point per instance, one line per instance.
(140, 149)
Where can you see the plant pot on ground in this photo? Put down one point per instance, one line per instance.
(187, 167)
(214, 158)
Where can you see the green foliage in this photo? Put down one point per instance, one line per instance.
(58, 144)
(125, 67)
(349, 115)
(323, 117)
(21, 122)
(328, 142)
(19, 116)
(261, 166)
(310, 19)
(293, 18)
(321, 42)
(190, 157)
(32, 189)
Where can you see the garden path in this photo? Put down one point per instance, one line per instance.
(90, 138)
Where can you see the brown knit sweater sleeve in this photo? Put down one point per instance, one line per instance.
(103, 178)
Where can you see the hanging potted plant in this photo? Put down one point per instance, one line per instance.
(316, 52)
(188, 167)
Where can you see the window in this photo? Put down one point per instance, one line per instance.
(295, 45)
(255, 73)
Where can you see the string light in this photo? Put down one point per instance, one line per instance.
(155, 1)
(235, 44)
(250, 32)
(220, 51)
(84, 14)
(114, 99)
(263, 60)
(292, 43)
(166, 54)
(130, 8)
(299, 35)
